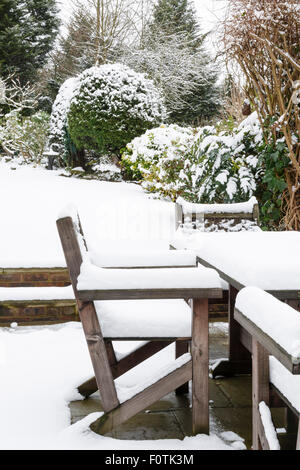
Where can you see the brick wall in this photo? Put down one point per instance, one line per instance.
(36, 312)
(34, 277)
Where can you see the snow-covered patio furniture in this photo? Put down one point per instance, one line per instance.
(140, 304)
(215, 217)
(263, 259)
(274, 328)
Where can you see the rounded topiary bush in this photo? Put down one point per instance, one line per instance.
(112, 105)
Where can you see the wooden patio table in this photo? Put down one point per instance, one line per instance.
(269, 260)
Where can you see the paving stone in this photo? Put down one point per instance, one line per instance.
(218, 347)
(238, 420)
(159, 425)
(237, 389)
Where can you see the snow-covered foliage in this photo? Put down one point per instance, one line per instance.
(158, 156)
(111, 105)
(2, 91)
(187, 78)
(24, 137)
(222, 167)
(203, 165)
(61, 106)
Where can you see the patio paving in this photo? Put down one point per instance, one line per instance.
(230, 406)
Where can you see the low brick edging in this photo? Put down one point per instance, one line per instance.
(34, 277)
(36, 312)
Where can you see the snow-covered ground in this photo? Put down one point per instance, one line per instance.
(42, 366)
(113, 215)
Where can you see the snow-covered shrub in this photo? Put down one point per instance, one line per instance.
(25, 137)
(203, 165)
(60, 109)
(158, 156)
(223, 166)
(111, 105)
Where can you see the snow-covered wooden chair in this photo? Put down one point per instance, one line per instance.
(133, 304)
(215, 217)
(275, 330)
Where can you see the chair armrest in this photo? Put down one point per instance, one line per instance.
(275, 325)
(96, 283)
(141, 259)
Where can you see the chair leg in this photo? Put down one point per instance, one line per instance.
(260, 388)
(298, 437)
(200, 405)
(181, 347)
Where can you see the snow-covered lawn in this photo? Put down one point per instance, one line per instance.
(114, 215)
(40, 367)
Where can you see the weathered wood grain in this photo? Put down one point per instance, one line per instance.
(88, 317)
(200, 406)
(267, 342)
(260, 391)
(125, 294)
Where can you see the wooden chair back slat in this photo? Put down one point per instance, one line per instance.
(199, 218)
(88, 316)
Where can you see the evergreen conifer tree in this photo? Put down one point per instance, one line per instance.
(27, 32)
(174, 26)
(176, 16)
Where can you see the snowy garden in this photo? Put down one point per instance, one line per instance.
(150, 217)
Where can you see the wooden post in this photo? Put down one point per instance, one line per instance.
(178, 215)
(260, 388)
(256, 213)
(298, 437)
(200, 412)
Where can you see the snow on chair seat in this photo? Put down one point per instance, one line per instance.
(275, 330)
(157, 283)
(154, 318)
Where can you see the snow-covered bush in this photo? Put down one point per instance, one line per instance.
(203, 165)
(158, 156)
(223, 166)
(60, 109)
(111, 105)
(25, 137)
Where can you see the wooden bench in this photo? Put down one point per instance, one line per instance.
(275, 330)
(215, 217)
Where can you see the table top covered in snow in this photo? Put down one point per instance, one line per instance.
(269, 260)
